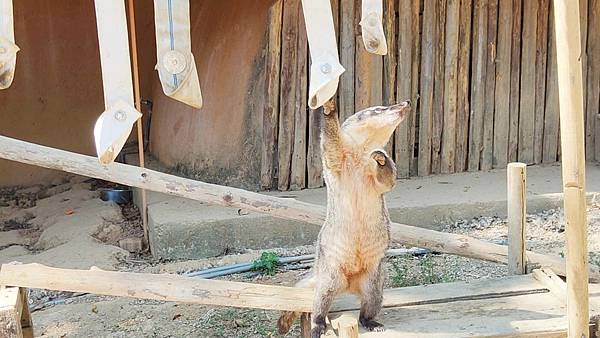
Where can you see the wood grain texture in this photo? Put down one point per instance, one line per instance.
(515, 83)
(348, 32)
(438, 87)
(426, 84)
(490, 88)
(593, 82)
(299, 156)
(271, 110)
(368, 68)
(541, 59)
(290, 81)
(527, 97)
(390, 62)
(50, 158)
(551, 119)
(478, 80)
(450, 90)
(416, 69)
(502, 89)
(463, 103)
(404, 147)
(517, 211)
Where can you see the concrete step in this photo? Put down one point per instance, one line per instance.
(186, 229)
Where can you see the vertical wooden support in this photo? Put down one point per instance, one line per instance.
(450, 89)
(593, 81)
(487, 145)
(346, 326)
(551, 123)
(15, 318)
(517, 200)
(390, 63)
(568, 52)
(426, 84)
(540, 79)
(527, 99)
(437, 125)
(515, 74)
(138, 106)
(305, 325)
(347, 51)
(463, 105)
(271, 111)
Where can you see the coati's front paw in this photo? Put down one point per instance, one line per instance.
(372, 325)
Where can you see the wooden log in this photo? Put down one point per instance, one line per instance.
(517, 210)
(437, 124)
(480, 34)
(390, 63)
(527, 98)
(568, 51)
(448, 160)
(502, 93)
(51, 158)
(540, 79)
(593, 82)
(15, 318)
(463, 106)
(426, 85)
(298, 165)
(487, 150)
(346, 326)
(515, 76)
(347, 50)
(271, 110)
(551, 118)
(290, 59)
(404, 147)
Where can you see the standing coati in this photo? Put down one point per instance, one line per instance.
(355, 235)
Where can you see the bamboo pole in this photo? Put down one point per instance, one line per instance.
(516, 197)
(138, 106)
(29, 153)
(568, 52)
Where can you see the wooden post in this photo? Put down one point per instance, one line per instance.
(15, 319)
(305, 325)
(568, 52)
(517, 200)
(138, 102)
(346, 326)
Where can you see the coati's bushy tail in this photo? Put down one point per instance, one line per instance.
(287, 318)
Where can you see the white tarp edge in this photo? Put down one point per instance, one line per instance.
(114, 125)
(176, 65)
(8, 49)
(325, 69)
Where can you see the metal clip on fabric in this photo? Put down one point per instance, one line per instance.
(325, 68)
(8, 48)
(176, 66)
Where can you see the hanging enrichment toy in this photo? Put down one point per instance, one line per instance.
(8, 49)
(371, 23)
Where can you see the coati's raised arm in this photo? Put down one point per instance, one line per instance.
(331, 138)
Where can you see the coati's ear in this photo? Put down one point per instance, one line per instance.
(385, 171)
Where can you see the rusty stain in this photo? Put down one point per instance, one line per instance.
(227, 197)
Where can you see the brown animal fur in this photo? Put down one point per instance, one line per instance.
(355, 235)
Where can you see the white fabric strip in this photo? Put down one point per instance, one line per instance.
(371, 23)
(176, 66)
(114, 125)
(325, 69)
(8, 49)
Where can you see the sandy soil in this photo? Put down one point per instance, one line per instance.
(69, 226)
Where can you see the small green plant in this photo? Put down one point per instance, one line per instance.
(400, 274)
(267, 263)
(427, 266)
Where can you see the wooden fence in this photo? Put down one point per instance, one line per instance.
(481, 75)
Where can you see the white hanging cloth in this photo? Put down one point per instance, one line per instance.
(325, 69)
(371, 22)
(114, 125)
(176, 65)
(8, 49)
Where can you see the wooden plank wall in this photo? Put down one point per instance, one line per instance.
(482, 81)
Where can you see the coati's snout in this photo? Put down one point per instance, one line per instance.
(372, 127)
(384, 170)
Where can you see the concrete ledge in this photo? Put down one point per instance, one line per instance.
(185, 229)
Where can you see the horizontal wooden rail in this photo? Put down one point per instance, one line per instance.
(288, 208)
(176, 288)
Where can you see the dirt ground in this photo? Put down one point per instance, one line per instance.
(67, 225)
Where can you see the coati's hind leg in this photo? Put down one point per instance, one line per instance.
(328, 286)
(371, 299)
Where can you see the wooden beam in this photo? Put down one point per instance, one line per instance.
(29, 153)
(568, 52)
(517, 210)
